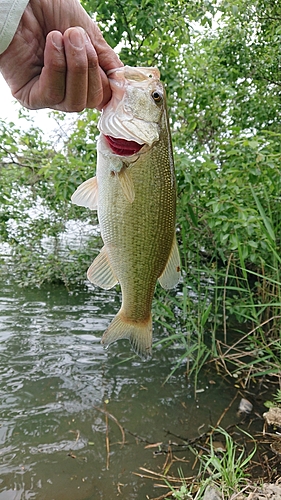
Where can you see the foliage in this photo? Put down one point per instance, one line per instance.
(37, 179)
(223, 468)
(146, 29)
(220, 62)
(276, 400)
(227, 468)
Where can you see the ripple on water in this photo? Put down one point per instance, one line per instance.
(61, 392)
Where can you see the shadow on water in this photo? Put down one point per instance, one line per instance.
(63, 396)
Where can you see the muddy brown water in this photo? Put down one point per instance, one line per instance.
(63, 399)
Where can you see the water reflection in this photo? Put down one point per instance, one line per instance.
(58, 387)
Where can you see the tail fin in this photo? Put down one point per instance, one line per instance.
(139, 334)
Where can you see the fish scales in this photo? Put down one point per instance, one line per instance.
(136, 203)
(142, 231)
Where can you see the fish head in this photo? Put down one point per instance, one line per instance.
(130, 122)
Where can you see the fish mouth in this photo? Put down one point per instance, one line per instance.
(122, 147)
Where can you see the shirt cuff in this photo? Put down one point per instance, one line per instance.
(11, 13)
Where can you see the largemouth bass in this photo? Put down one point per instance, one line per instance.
(134, 192)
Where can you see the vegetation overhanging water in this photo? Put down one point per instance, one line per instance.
(222, 73)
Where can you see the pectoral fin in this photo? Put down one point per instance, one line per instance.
(171, 274)
(101, 273)
(86, 195)
(126, 184)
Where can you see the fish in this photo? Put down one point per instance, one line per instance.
(134, 193)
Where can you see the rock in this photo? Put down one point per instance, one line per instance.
(272, 491)
(266, 492)
(245, 406)
(212, 493)
(273, 416)
(276, 445)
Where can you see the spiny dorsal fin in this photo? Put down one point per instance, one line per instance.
(171, 274)
(86, 195)
(126, 184)
(101, 273)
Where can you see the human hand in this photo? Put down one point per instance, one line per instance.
(58, 58)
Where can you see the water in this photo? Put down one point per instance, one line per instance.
(62, 397)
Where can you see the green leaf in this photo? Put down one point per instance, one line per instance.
(265, 219)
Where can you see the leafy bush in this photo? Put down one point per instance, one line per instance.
(220, 63)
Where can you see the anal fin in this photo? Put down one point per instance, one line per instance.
(101, 273)
(171, 274)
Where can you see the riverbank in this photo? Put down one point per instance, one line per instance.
(266, 491)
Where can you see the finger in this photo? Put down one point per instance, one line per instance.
(49, 89)
(106, 96)
(108, 59)
(99, 92)
(76, 92)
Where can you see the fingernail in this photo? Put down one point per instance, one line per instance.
(77, 38)
(57, 40)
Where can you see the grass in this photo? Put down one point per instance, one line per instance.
(218, 303)
(224, 467)
(203, 328)
(250, 299)
(228, 313)
(182, 492)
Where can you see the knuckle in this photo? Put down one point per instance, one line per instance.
(93, 60)
(75, 107)
(78, 65)
(57, 64)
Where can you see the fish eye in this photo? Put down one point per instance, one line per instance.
(157, 97)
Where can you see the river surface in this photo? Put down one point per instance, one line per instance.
(64, 399)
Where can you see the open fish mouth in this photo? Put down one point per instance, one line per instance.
(122, 147)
